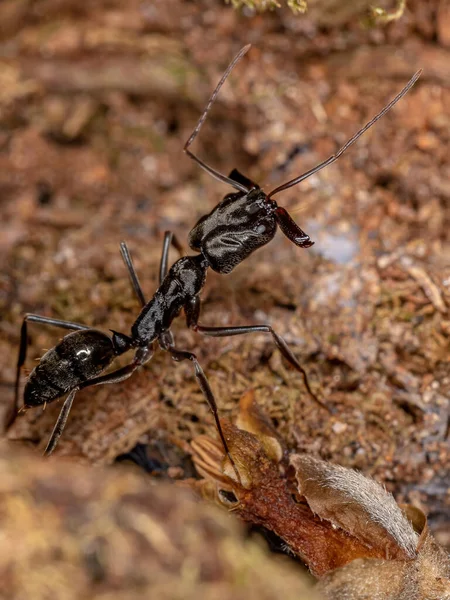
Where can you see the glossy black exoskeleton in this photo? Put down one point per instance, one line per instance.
(243, 222)
(239, 225)
(80, 356)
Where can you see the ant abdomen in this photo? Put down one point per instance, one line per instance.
(79, 356)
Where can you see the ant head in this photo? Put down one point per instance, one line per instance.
(252, 198)
(262, 205)
(243, 222)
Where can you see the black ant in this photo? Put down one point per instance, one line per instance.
(242, 222)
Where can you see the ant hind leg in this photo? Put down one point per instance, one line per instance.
(113, 377)
(180, 355)
(60, 423)
(193, 312)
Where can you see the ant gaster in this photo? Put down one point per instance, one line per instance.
(236, 227)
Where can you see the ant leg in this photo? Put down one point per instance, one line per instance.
(169, 238)
(179, 355)
(192, 313)
(12, 413)
(132, 273)
(60, 423)
(142, 356)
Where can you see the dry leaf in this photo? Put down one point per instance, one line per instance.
(357, 504)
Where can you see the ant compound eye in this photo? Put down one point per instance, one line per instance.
(261, 229)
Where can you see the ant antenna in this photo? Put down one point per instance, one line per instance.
(196, 131)
(357, 135)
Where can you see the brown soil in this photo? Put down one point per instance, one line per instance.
(96, 103)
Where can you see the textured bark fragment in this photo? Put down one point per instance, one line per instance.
(253, 420)
(264, 497)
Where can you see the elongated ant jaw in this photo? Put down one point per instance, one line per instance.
(291, 230)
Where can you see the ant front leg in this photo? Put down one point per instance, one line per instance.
(192, 311)
(179, 355)
(12, 413)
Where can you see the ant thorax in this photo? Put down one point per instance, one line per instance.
(183, 282)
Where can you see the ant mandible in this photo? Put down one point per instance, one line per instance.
(242, 222)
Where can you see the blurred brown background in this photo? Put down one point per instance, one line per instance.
(96, 102)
